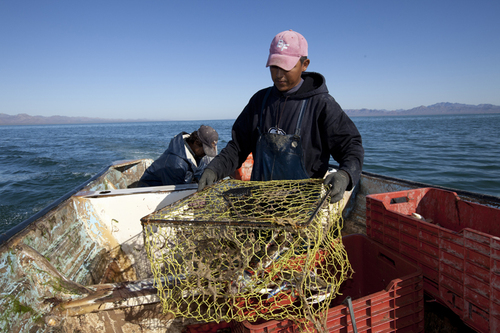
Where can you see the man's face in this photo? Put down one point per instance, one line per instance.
(198, 149)
(286, 80)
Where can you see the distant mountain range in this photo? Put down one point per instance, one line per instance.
(25, 119)
(435, 109)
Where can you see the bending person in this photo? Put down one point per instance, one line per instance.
(184, 160)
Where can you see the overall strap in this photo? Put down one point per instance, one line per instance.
(301, 116)
(262, 108)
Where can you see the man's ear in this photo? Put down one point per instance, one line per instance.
(305, 65)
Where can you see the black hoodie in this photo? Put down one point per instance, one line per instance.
(326, 130)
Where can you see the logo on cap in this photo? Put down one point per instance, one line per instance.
(282, 45)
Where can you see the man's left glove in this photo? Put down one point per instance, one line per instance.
(339, 181)
(207, 178)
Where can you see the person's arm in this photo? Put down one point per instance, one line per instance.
(244, 137)
(344, 143)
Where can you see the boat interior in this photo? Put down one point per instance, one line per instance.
(85, 253)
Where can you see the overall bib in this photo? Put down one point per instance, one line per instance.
(279, 156)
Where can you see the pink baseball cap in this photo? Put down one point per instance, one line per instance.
(286, 49)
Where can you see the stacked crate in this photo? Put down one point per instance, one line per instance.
(456, 244)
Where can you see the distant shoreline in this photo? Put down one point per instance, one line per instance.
(435, 109)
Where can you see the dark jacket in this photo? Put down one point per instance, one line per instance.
(326, 130)
(174, 166)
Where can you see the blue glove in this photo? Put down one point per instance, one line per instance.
(338, 181)
(207, 178)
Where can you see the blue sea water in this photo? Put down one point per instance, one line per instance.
(39, 164)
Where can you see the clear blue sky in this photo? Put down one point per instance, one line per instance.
(197, 60)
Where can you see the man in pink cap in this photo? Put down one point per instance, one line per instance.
(292, 128)
(287, 48)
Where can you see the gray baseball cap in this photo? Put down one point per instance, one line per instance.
(209, 138)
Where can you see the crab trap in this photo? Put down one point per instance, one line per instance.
(244, 250)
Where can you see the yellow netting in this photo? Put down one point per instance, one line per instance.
(242, 250)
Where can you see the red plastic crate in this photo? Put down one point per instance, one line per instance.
(458, 250)
(386, 293)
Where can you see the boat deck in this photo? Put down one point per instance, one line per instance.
(90, 241)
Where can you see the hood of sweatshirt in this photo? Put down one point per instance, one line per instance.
(313, 84)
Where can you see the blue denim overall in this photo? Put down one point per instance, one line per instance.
(279, 156)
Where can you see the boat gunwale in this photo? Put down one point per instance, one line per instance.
(11, 233)
(461, 193)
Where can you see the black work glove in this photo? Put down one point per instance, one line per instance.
(207, 178)
(339, 181)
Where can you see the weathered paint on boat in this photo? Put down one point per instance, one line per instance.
(84, 254)
(80, 265)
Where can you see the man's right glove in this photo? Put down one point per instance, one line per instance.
(207, 178)
(339, 181)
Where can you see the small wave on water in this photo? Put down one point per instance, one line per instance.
(42, 162)
(85, 175)
(39, 164)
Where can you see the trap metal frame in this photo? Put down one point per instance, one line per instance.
(242, 250)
